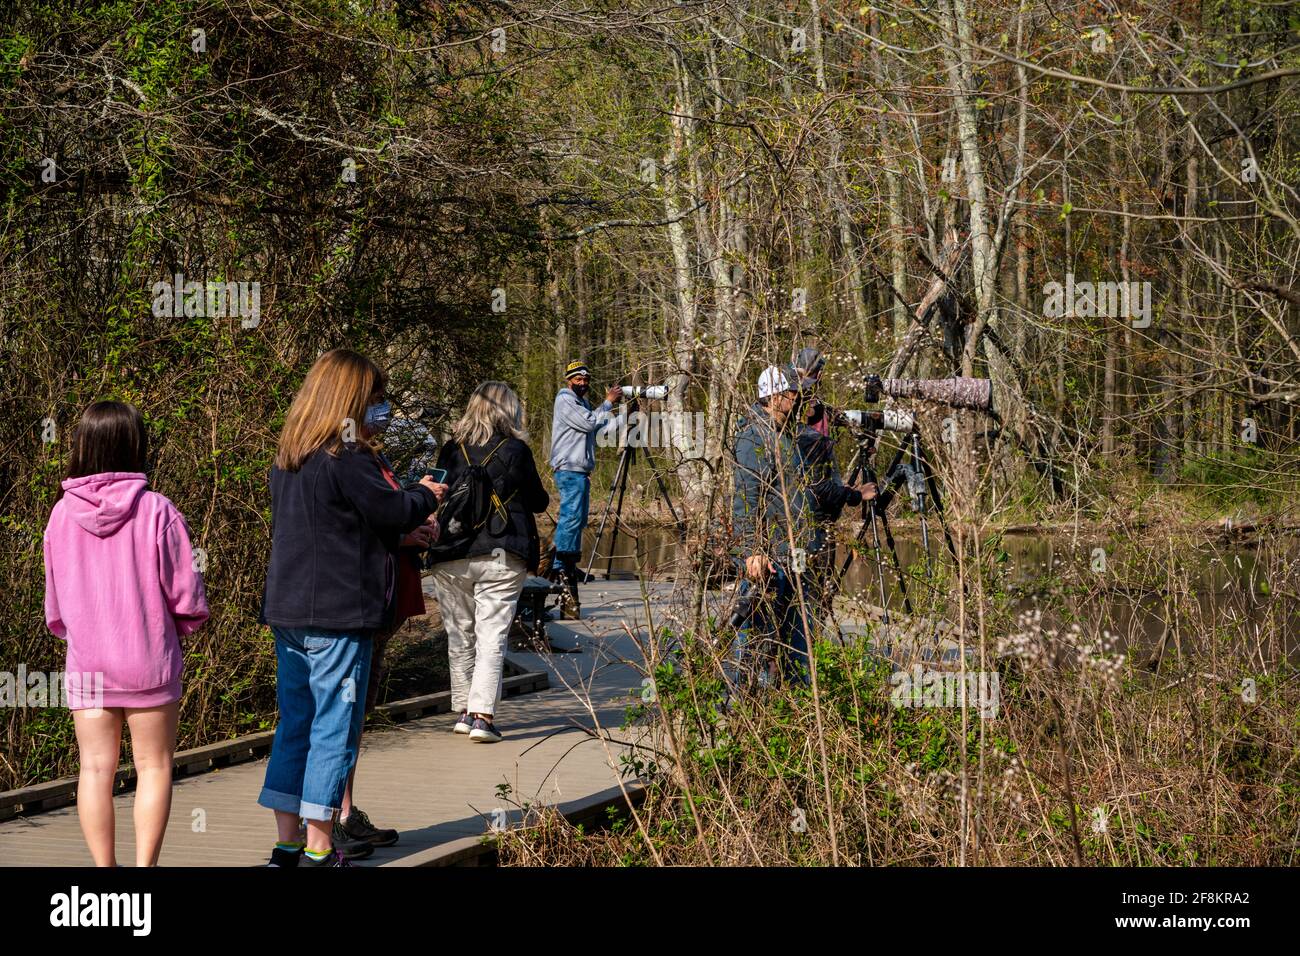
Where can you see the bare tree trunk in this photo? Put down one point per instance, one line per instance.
(551, 284)
(837, 191)
(683, 348)
(1186, 301)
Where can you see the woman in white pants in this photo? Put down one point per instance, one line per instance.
(479, 575)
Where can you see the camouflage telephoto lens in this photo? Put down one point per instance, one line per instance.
(974, 393)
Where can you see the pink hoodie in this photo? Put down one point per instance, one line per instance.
(120, 586)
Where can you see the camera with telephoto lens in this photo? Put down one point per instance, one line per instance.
(746, 605)
(890, 419)
(958, 392)
(656, 392)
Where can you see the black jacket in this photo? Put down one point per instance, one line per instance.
(829, 493)
(335, 524)
(514, 474)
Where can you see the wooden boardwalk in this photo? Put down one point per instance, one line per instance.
(433, 786)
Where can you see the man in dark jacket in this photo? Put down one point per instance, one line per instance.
(829, 493)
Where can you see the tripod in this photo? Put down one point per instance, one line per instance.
(919, 478)
(917, 475)
(871, 510)
(618, 488)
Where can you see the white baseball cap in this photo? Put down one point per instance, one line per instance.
(775, 379)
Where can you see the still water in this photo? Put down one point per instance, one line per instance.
(1141, 592)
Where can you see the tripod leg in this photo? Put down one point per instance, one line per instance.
(918, 464)
(934, 496)
(629, 452)
(663, 490)
(858, 468)
(898, 567)
(880, 562)
(620, 477)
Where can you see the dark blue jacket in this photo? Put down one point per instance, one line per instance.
(335, 527)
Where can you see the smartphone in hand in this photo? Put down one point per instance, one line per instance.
(439, 475)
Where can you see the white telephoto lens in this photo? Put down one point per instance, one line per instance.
(898, 421)
(856, 416)
(645, 391)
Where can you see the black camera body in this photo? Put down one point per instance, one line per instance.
(746, 605)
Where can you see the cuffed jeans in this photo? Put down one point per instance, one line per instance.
(575, 502)
(478, 597)
(321, 681)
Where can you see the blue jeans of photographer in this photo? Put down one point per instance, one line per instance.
(575, 501)
(775, 629)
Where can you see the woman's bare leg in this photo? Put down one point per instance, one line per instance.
(99, 740)
(153, 743)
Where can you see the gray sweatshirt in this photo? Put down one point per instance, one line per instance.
(769, 469)
(573, 431)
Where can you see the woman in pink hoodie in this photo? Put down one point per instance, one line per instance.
(121, 587)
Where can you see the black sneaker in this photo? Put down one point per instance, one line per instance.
(358, 827)
(282, 857)
(349, 847)
(334, 859)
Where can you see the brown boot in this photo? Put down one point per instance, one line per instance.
(570, 609)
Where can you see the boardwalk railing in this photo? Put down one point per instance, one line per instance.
(187, 763)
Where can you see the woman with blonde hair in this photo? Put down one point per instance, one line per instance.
(479, 570)
(336, 524)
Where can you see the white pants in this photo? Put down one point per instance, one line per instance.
(477, 597)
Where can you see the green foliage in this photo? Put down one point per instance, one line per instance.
(1232, 478)
(225, 165)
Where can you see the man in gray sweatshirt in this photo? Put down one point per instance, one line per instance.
(574, 427)
(773, 515)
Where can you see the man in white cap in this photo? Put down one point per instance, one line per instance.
(772, 519)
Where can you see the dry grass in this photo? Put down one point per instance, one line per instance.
(1102, 753)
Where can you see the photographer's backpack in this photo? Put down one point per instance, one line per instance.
(471, 503)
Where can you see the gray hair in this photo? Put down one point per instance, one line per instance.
(493, 409)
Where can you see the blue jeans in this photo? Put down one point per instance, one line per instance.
(575, 501)
(775, 629)
(321, 686)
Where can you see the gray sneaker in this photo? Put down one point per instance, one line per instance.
(484, 732)
(464, 725)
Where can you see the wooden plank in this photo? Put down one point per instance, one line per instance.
(433, 786)
(590, 811)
